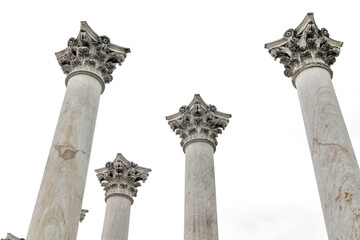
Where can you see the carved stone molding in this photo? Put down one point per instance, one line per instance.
(12, 237)
(83, 214)
(198, 122)
(121, 177)
(92, 53)
(304, 47)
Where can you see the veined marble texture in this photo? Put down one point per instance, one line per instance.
(117, 218)
(58, 207)
(198, 125)
(200, 193)
(336, 168)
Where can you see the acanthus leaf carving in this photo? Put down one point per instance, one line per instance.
(305, 46)
(198, 121)
(91, 52)
(9, 236)
(83, 214)
(122, 176)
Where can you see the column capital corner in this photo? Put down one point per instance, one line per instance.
(91, 52)
(121, 177)
(304, 47)
(9, 236)
(198, 122)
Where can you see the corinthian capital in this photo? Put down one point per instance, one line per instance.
(306, 46)
(121, 177)
(93, 53)
(12, 237)
(198, 122)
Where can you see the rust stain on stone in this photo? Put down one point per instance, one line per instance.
(339, 195)
(348, 197)
(316, 142)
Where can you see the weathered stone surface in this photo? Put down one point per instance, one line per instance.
(58, 207)
(117, 218)
(198, 125)
(92, 53)
(121, 177)
(89, 61)
(12, 237)
(336, 168)
(198, 122)
(200, 194)
(307, 54)
(306, 46)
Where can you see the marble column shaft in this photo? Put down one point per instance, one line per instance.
(336, 168)
(117, 218)
(58, 206)
(198, 125)
(88, 61)
(307, 54)
(200, 193)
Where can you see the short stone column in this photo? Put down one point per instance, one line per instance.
(198, 125)
(88, 62)
(307, 53)
(120, 179)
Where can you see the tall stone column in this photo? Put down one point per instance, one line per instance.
(198, 125)
(120, 179)
(88, 62)
(307, 53)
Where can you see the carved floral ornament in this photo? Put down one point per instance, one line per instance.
(121, 177)
(12, 237)
(90, 52)
(83, 214)
(305, 46)
(198, 122)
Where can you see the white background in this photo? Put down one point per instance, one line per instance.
(265, 182)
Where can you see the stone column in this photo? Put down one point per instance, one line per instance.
(198, 125)
(120, 179)
(88, 62)
(307, 53)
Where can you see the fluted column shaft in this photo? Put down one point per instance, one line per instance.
(58, 206)
(200, 195)
(336, 168)
(117, 218)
